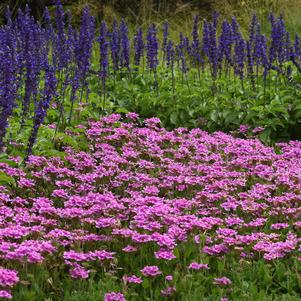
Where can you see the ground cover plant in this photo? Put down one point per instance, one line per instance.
(215, 78)
(150, 214)
(100, 203)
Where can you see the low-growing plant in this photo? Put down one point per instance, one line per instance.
(150, 214)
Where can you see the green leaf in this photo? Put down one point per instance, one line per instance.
(174, 118)
(7, 180)
(9, 162)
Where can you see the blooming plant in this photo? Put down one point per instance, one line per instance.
(54, 73)
(146, 211)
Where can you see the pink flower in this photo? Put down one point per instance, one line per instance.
(5, 294)
(243, 128)
(197, 239)
(169, 278)
(151, 271)
(168, 291)
(163, 254)
(8, 278)
(279, 226)
(132, 279)
(114, 297)
(79, 272)
(52, 126)
(258, 130)
(297, 224)
(132, 115)
(223, 281)
(198, 266)
(129, 249)
(151, 121)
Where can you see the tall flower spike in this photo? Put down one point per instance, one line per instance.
(165, 38)
(84, 46)
(195, 45)
(181, 54)
(125, 44)
(115, 46)
(8, 80)
(170, 55)
(152, 48)
(139, 46)
(239, 55)
(42, 107)
(225, 43)
(103, 49)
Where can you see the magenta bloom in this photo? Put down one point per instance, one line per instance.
(79, 273)
(258, 130)
(168, 291)
(129, 249)
(132, 115)
(114, 297)
(151, 271)
(5, 294)
(8, 278)
(243, 128)
(163, 254)
(198, 266)
(223, 281)
(132, 279)
(169, 278)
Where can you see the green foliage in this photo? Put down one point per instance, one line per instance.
(251, 281)
(275, 105)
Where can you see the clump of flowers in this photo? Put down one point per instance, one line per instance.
(151, 271)
(114, 297)
(120, 198)
(222, 281)
(198, 266)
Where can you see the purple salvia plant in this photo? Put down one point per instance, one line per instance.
(277, 44)
(139, 46)
(152, 47)
(115, 46)
(260, 51)
(8, 79)
(31, 55)
(239, 57)
(225, 43)
(60, 39)
(103, 50)
(250, 62)
(210, 47)
(195, 45)
(103, 59)
(170, 55)
(180, 51)
(170, 62)
(42, 106)
(125, 46)
(165, 39)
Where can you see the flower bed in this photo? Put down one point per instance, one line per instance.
(148, 207)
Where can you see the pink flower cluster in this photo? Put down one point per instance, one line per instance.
(145, 188)
(8, 278)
